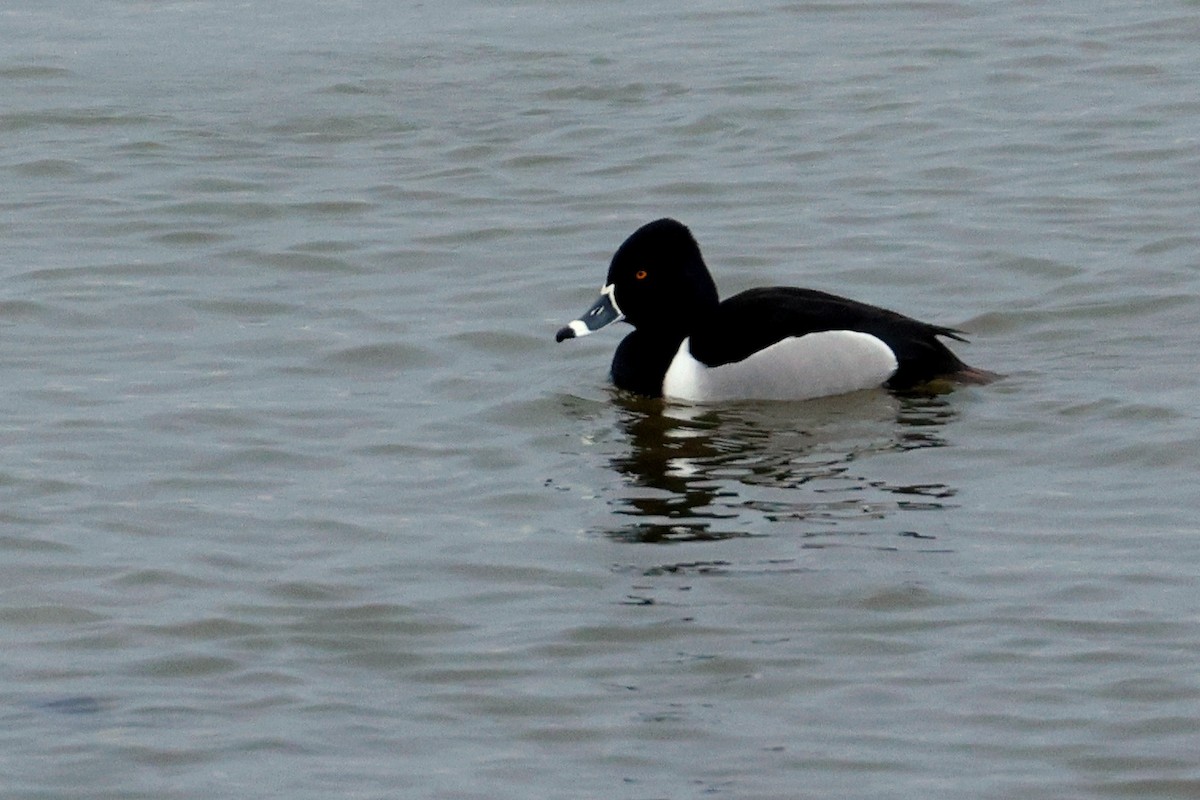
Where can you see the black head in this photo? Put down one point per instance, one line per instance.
(659, 278)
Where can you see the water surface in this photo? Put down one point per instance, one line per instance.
(300, 498)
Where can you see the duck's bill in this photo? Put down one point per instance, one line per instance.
(601, 313)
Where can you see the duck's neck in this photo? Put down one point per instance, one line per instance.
(694, 302)
(642, 360)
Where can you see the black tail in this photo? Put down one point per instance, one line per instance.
(926, 359)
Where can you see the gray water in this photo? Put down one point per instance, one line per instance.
(299, 498)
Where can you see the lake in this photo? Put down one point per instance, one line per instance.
(301, 499)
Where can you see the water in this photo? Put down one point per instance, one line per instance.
(300, 499)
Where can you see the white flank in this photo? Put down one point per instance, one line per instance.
(796, 368)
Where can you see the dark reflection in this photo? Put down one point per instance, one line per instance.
(697, 473)
(81, 704)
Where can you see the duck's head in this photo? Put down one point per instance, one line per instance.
(657, 280)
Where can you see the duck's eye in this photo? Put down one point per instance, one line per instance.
(640, 274)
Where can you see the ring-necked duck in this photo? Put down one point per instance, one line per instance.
(777, 343)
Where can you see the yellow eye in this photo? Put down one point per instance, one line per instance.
(640, 274)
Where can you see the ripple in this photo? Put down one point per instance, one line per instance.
(42, 615)
(79, 704)
(391, 356)
(33, 72)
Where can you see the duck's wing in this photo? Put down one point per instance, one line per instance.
(758, 318)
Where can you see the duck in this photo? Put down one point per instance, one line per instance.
(767, 343)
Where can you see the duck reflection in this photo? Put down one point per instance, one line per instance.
(698, 473)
